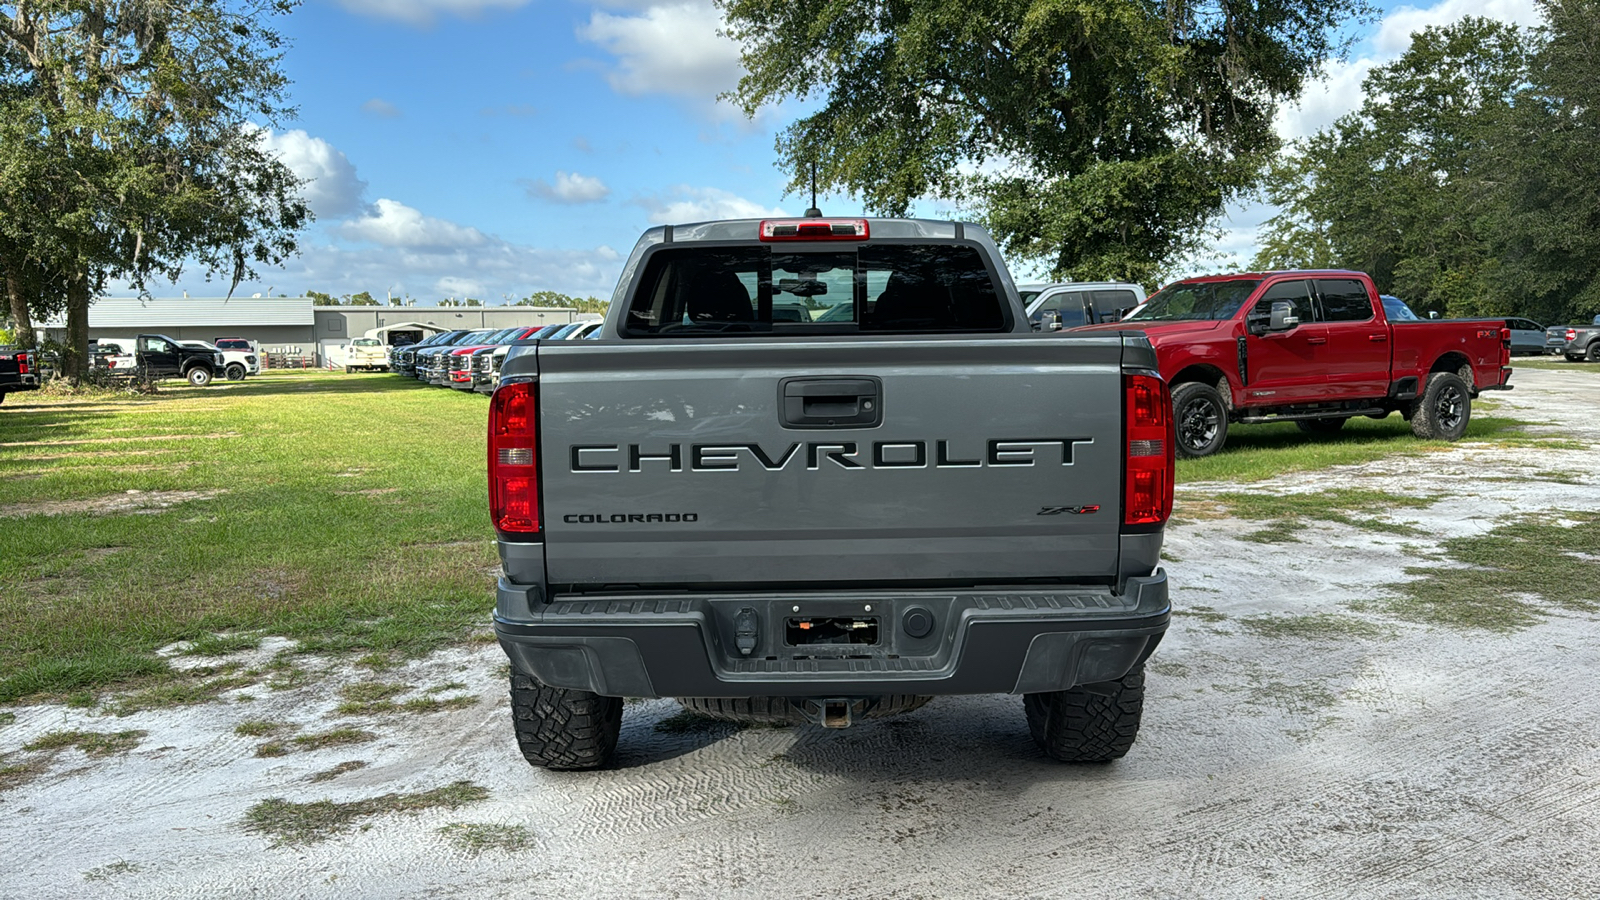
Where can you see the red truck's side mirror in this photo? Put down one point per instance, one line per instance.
(1283, 317)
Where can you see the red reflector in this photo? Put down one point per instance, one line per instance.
(814, 230)
(513, 459)
(1149, 461)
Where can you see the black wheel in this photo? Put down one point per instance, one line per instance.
(563, 729)
(199, 376)
(1443, 410)
(1593, 354)
(235, 372)
(1321, 426)
(2, 398)
(1091, 722)
(778, 710)
(1201, 417)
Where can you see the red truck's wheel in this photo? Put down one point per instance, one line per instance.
(1443, 410)
(1201, 417)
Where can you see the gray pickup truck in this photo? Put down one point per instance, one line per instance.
(902, 492)
(1582, 342)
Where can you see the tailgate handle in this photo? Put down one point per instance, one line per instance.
(830, 402)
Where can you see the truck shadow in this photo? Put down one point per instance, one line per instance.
(946, 741)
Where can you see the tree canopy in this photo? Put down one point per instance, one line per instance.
(1100, 137)
(1469, 181)
(131, 146)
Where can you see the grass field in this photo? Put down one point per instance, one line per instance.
(344, 512)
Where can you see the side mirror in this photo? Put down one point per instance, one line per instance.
(1052, 320)
(1433, 314)
(1283, 317)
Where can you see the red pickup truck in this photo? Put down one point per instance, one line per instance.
(1312, 348)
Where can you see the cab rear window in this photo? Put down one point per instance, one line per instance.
(699, 292)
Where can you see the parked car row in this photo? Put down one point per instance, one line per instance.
(471, 360)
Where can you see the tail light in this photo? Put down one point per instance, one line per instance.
(23, 363)
(1149, 471)
(514, 459)
(1572, 334)
(1505, 336)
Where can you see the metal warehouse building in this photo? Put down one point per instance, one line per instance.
(292, 325)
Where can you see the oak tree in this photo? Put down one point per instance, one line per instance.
(1099, 137)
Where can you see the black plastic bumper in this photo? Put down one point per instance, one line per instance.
(980, 642)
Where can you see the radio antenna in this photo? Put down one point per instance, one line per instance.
(813, 212)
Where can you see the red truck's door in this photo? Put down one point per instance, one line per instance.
(1282, 364)
(1355, 359)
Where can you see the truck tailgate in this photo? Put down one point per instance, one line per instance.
(726, 461)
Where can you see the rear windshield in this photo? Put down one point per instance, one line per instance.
(233, 345)
(699, 292)
(1214, 300)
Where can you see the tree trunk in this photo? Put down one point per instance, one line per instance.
(17, 300)
(75, 361)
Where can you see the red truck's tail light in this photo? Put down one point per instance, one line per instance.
(814, 230)
(514, 459)
(1150, 438)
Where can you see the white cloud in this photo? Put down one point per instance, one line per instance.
(381, 108)
(673, 48)
(424, 12)
(488, 272)
(454, 286)
(682, 203)
(332, 189)
(1337, 91)
(390, 223)
(569, 187)
(1394, 34)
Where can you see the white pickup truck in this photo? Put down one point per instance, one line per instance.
(366, 355)
(236, 364)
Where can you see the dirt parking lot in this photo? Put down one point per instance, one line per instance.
(1307, 734)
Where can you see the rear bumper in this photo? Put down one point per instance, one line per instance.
(979, 642)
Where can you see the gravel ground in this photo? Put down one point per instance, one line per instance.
(1400, 760)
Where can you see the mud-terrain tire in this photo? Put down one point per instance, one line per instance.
(236, 372)
(1200, 417)
(1321, 426)
(563, 729)
(199, 376)
(778, 711)
(1443, 410)
(1091, 722)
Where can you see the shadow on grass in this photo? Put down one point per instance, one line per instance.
(1254, 452)
(301, 385)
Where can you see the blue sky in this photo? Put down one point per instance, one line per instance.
(492, 148)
